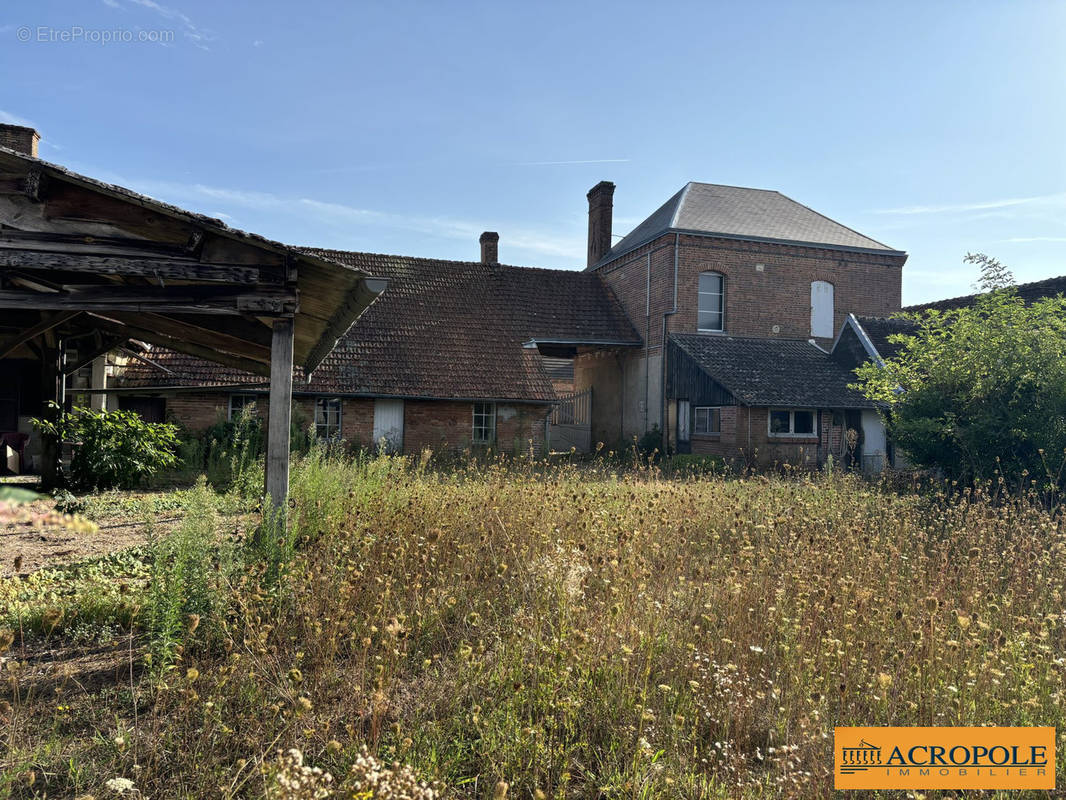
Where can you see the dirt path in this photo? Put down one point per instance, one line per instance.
(36, 546)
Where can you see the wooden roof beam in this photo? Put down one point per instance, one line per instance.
(11, 255)
(46, 324)
(182, 299)
(182, 346)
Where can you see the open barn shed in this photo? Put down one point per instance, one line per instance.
(86, 266)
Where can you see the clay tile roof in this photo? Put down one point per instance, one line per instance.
(442, 329)
(773, 372)
(1029, 292)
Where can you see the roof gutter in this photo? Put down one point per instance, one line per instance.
(743, 238)
(663, 415)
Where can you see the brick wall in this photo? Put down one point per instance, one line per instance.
(737, 441)
(197, 412)
(445, 425)
(780, 293)
(755, 300)
(437, 424)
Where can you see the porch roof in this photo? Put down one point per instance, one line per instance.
(90, 256)
(790, 373)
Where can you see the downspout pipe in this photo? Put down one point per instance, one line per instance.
(663, 416)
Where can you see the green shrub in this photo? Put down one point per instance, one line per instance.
(113, 448)
(187, 574)
(979, 393)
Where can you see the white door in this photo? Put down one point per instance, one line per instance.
(682, 420)
(874, 443)
(822, 310)
(388, 424)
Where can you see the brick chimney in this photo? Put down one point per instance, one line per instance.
(601, 209)
(490, 247)
(20, 139)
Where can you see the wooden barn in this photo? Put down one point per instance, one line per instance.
(86, 266)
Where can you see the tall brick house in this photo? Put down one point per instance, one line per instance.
(453, 354)
(738, 294)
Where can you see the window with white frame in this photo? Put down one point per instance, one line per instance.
(710, 314)
(707, 420)
(328, 417)
(792, 422)
(484, 423)
(237, 402)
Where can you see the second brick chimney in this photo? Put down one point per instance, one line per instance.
(20, 139)
(490, 247)
(601, 209)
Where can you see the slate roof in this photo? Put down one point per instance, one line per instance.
(442, 330)
(878, 329)
(773, 372)
(1029, 292)
(741, 213)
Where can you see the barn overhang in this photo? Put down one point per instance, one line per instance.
(89, 262)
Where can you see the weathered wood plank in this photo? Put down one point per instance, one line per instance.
(213, 330)
(105, 345)
(49, 322)
(170, 269)
(279, 417)
(358, 298)
(182, 345)
(181, 299)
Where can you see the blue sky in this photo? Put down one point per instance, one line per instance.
(935, 127)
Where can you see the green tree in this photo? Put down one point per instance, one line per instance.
(980, 392)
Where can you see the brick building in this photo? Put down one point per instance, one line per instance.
(710, 323)
(453, 354)
(738, 295)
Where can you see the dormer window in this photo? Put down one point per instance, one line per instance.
(710, 316)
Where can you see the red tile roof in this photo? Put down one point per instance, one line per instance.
(442, 329)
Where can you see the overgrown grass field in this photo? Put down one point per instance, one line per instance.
(566, 631)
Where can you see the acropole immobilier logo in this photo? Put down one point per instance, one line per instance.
(944, 758)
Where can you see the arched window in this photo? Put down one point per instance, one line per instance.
(822, 310)
(710, 314)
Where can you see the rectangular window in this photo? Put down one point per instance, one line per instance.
(710, 313)
(484, 423)
(708, 420)
(328, 417)
(792, 423)
(237, 402)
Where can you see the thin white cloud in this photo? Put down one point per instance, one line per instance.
(569, 248)
(257, 43)
(569, 163)
(111, 3)
(957, 208)
(13, 119)
(195, 34)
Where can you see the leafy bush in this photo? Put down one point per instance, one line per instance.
(183, 586)
(112, 448)
(979, 393)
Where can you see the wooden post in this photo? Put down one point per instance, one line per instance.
(279, 416)
(51, 392)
